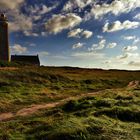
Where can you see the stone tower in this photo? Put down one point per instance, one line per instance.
(4, 42)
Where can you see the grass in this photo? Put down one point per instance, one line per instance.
(112, 113)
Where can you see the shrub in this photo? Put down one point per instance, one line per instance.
(123, 114)
(103, 103)
(119, 97)
(71, 105)
(8, 64)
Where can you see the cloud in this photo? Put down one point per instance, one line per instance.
(116, 7)
(98, 46)
(130, 48)
(26, 21)
(99, 37)
(78, 33)
(32, 44)
(8, 4)
(129, 37)
(17, 48)
(40, 9)
(46, 9)
(124, 56)
(75, 33)
(44, 53)
(60, 22)
(137, 16)
(20, 22)
(107, 62)
(128, 55)
(112, 45)
(73, 4)
(87, 34)
(30, 33)
(133, 38)
(117, 26)
(134, 63)
(78, 45)
(101, 44)
(137, 40)
(88, 56)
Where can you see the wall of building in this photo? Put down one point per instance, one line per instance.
(4, 42)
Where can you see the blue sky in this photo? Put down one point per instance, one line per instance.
(81, 33)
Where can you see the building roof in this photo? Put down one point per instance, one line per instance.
(26, 59)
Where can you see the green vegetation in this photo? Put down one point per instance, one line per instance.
(7, 64)
(110, 112)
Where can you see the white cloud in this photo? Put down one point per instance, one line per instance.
(124, 56)
(78, 33)
(75, 33)
(101, 44)
(130, 48)
(44, 53)
(29, 33)
(129, 37)
(100, 37)
(117, 26)
(133, 38)
(137, 40)
(137, 16)
(20, 22)
(17, 48)
(32, 44)
(92, 55)
(60, 22)
(112, 45)
(73, 4)
(107, 62)
(134, 63)
(98, 46)
(8, 4)
(116, 7)
(45, 9)
(78, 45)
(41, 9)
(87, 34)
(44, 33)
(128, 55)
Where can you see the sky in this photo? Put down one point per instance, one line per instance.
(79, 33)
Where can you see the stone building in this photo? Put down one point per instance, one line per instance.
(26, 59)
(4, 42)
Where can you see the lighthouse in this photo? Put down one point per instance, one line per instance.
(4, 41)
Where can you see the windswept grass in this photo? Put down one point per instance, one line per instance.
(112, 113)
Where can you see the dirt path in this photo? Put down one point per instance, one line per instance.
(34, 108)
(8, 68)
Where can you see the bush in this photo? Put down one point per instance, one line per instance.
(70, 106)
(119, 97)
(8, 64)
(121, 114)
(103, 103)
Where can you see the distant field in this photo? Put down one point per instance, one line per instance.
(64, 103)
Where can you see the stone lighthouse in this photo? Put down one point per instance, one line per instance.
(4, 42)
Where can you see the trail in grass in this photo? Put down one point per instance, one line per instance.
(8, 68)
(35, 107)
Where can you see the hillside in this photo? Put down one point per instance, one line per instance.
(53, 103)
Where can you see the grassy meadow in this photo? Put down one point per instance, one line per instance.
(64, 103)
